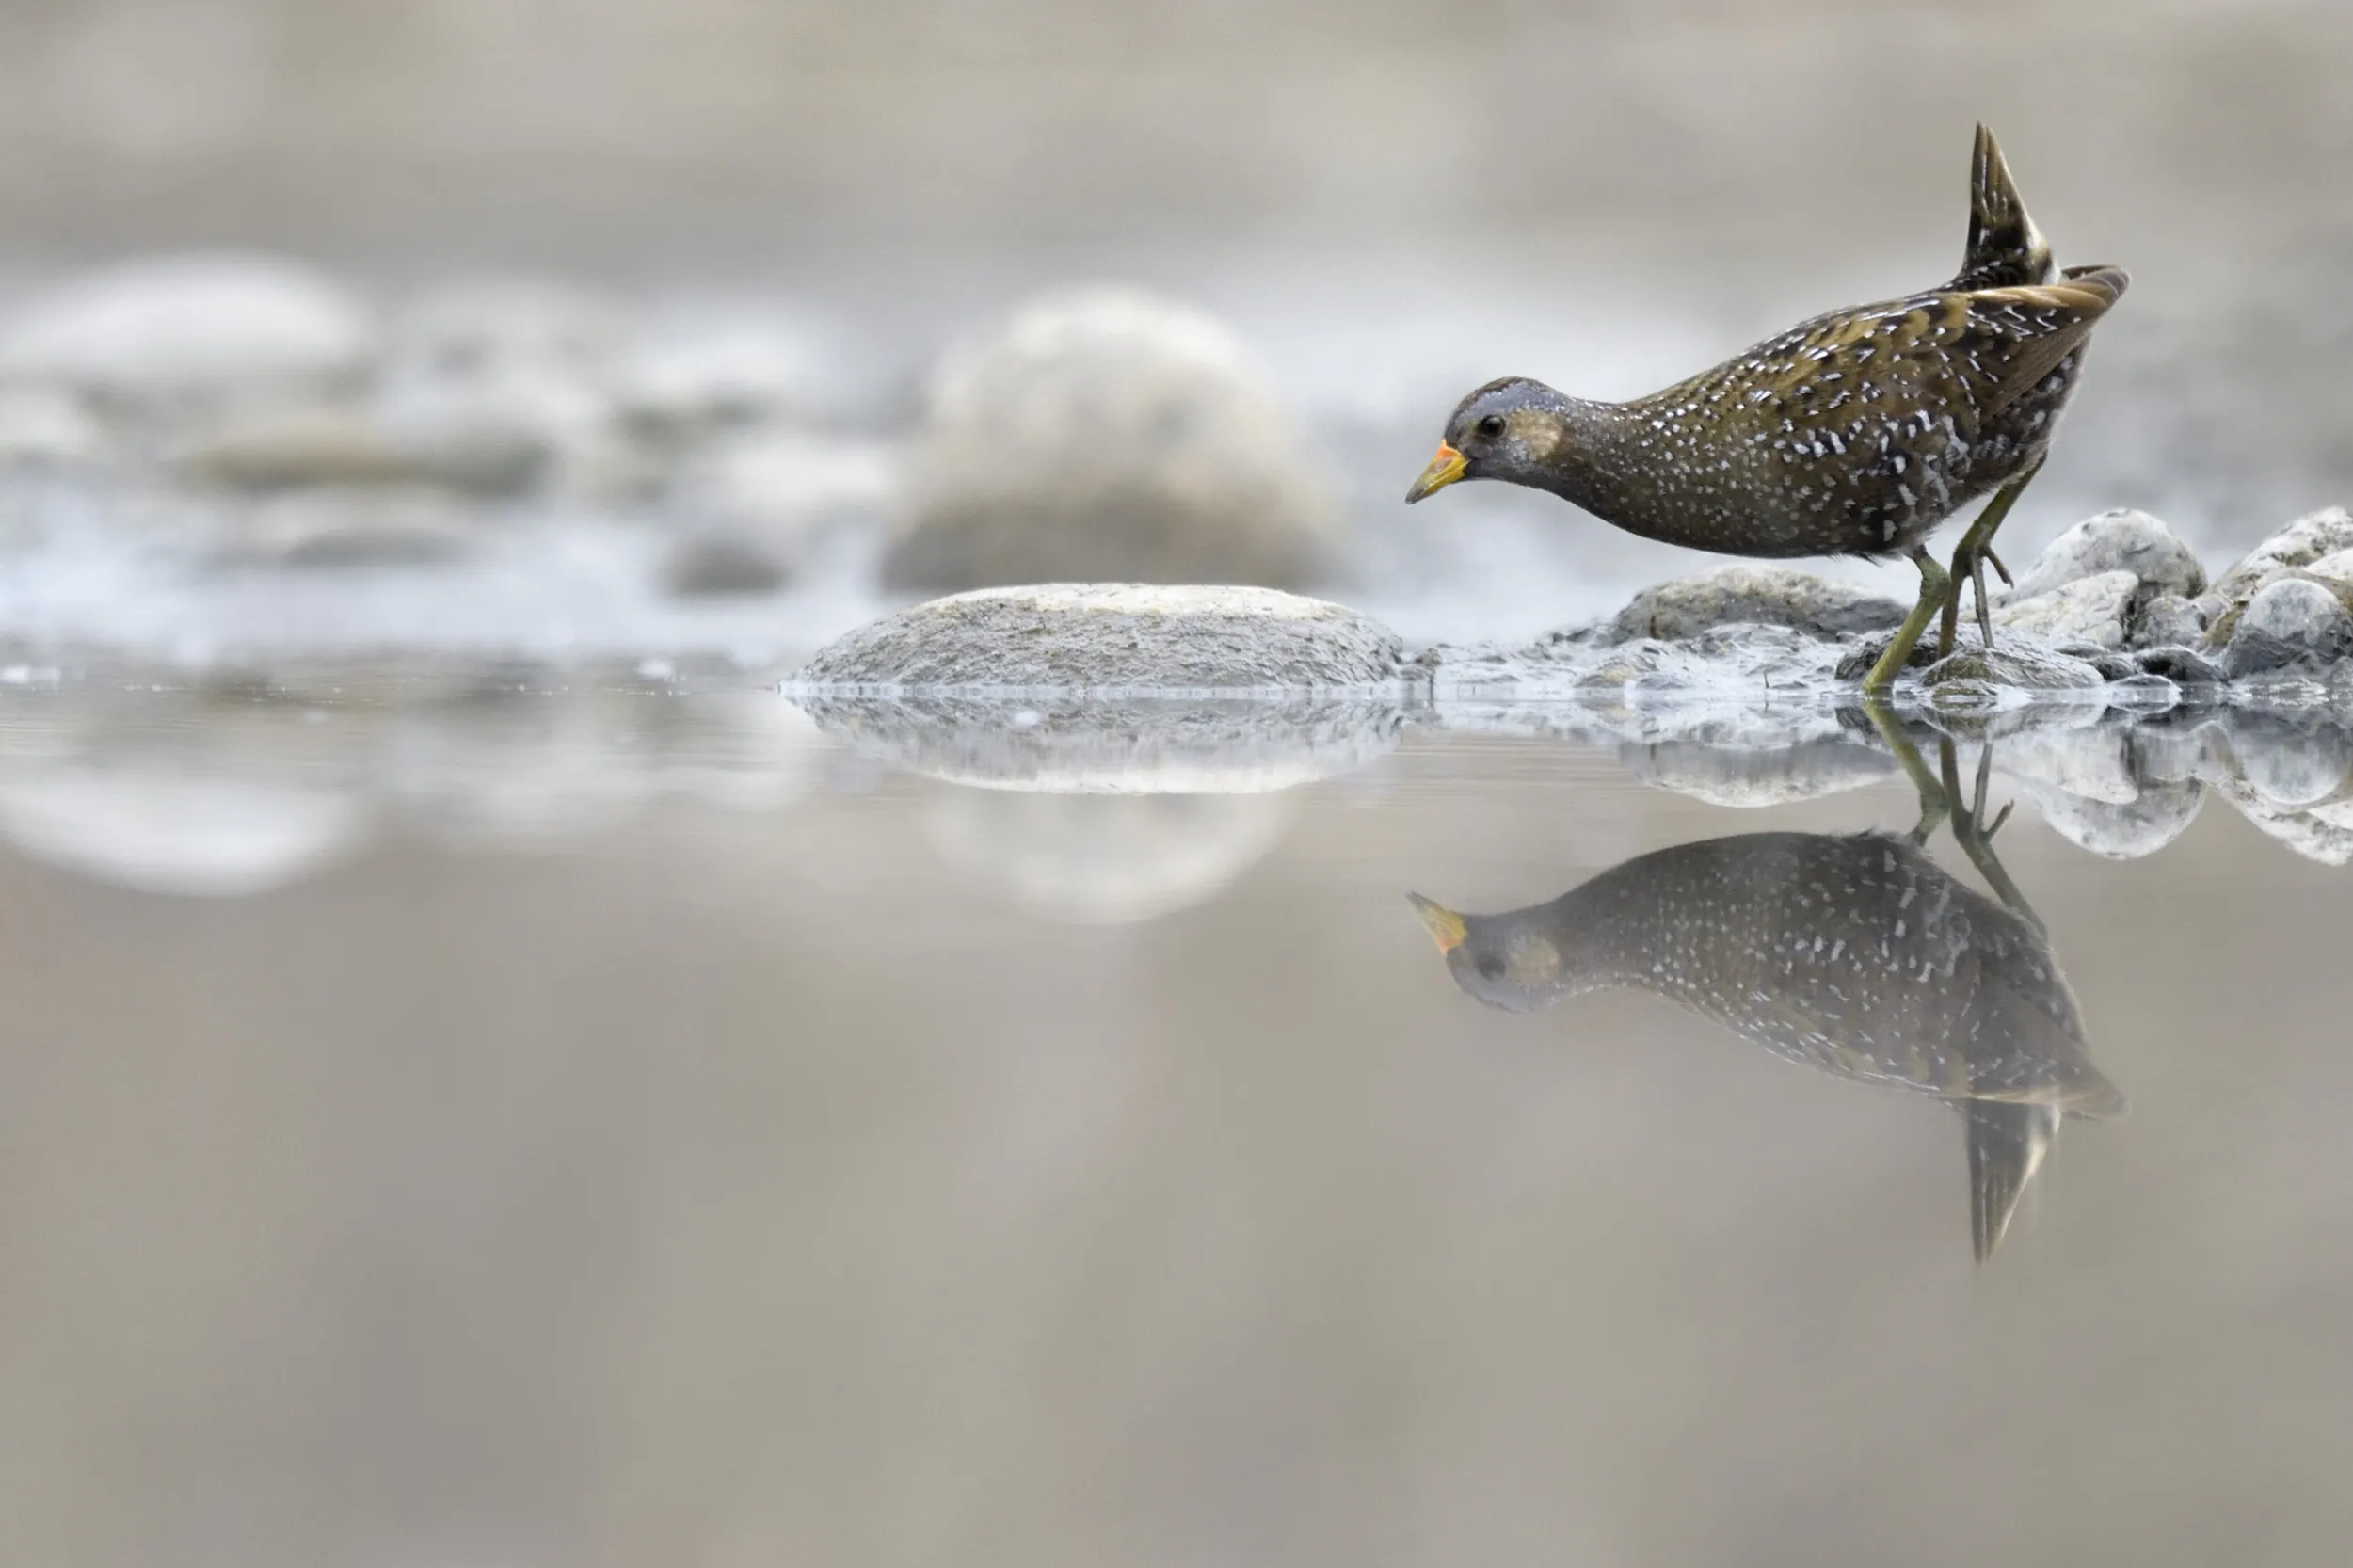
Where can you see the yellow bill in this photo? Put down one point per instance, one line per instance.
(1443, 924)
(1444, 469)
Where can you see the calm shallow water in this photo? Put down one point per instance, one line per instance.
(492, 1117)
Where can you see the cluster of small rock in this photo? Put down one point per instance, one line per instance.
(1098, 435)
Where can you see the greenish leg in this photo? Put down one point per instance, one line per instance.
(1935, 804)
(1970, 556)
(1936, 589)
(1976, 835)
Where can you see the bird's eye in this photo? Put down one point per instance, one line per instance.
(1490, 965)
(1490, 427)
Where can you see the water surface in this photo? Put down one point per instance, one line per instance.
(494, 1115)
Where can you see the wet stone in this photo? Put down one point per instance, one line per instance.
(1754, 596)
(2168, 620)
(2308, 539)
(2094, 609)
(2291, 621)
(1113, 637)
(2011, 667)
(2121, 540)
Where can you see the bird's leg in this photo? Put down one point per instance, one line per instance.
(1969, 559)
(1936, 590)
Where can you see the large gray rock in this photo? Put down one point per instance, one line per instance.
(1754, 596)
(2289, 621)
(2095, 609)
(2308, 539)
(1124, 637)
(1109, 436)
(2119, 540)
(186, 327)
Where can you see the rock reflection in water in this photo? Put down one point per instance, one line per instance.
(1855, 955)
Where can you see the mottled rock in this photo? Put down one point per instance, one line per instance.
(2306, 540)
(2187, 668)
(191, 328)
(1109, 436)
(1122, 635)
(1970, 671)
(2093, 609)
(2289, 621)
(1754, 596)
(2121, 540)
(2168, 620)
(2335, 566)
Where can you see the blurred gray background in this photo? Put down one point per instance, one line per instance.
(1391, 200)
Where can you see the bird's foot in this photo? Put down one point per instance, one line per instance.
(1969, 564)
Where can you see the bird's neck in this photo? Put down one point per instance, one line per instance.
(1585, 466)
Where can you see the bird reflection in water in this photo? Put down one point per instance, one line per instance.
(1856, 955)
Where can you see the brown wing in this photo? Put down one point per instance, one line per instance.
(1968, 353)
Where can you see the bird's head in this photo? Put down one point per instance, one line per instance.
(1507, 429)
(1502, 961)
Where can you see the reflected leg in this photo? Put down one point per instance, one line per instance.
(1936, 801)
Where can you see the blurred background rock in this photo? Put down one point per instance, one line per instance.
(691, 269)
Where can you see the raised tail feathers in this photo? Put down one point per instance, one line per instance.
(2006, 249)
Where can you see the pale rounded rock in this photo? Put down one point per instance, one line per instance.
(191, 328)
(1125, 636)
(2095, 609)
(2289, 621)
(2123, 540)
(1114, 435)
(2309, 538)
